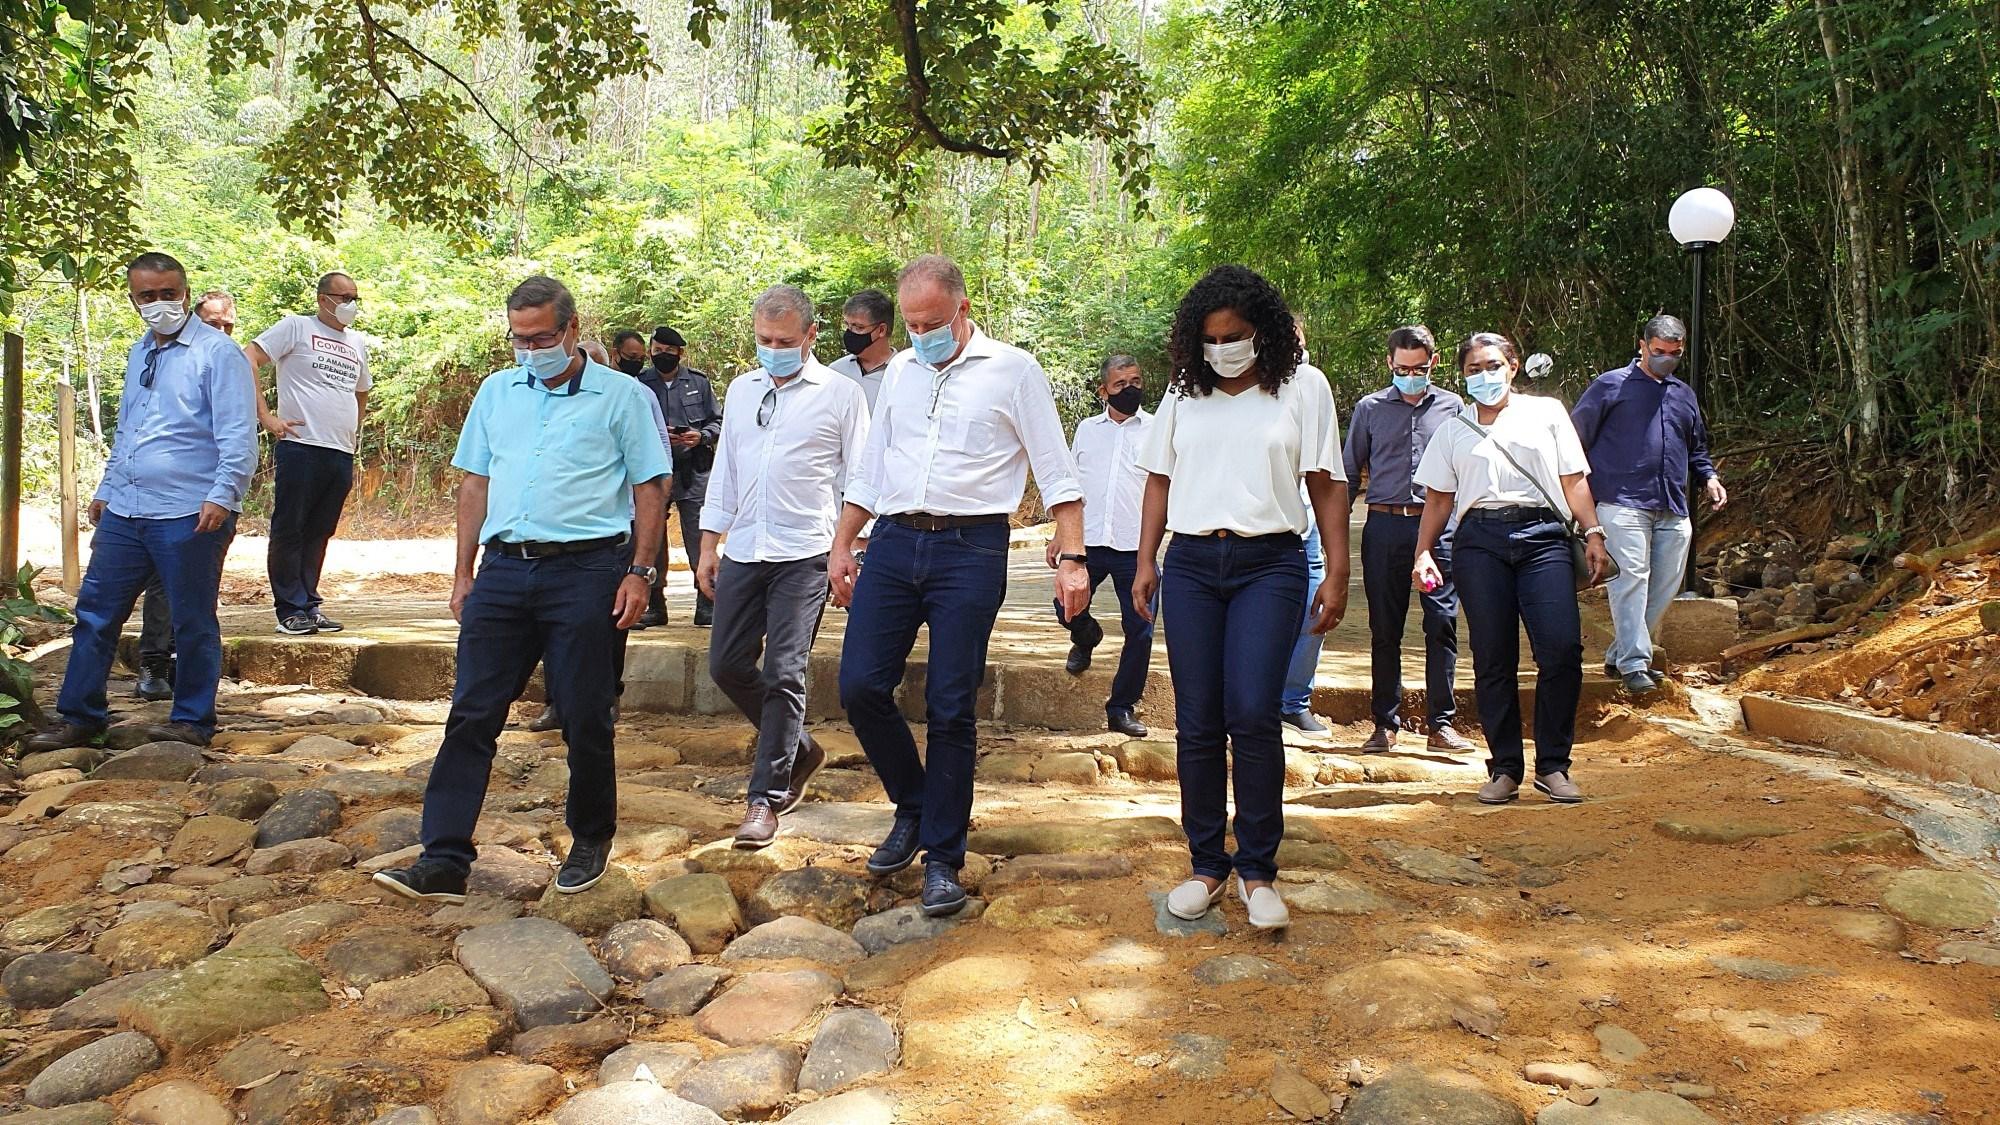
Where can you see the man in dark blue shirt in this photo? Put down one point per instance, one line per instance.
(1386, 438)
(1643, 432)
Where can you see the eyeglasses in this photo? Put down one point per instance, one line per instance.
(544, 340)
(1411, 372)
(767, 409)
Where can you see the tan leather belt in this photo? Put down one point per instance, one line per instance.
(1398, 509)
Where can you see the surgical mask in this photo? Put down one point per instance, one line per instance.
(856, 342)
(781, 363)
(544, 363)
(631, 366)
(1487, 387)
(1125, 400)
(1411, 384)
(166, 318)
(1232, 359)
(665, 362)
(937, 346)
(1663, 365)
(347, 312)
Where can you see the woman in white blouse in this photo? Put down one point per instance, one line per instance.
(1501, 467)
(1232, 439)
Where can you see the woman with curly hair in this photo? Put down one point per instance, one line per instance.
(1232, 438)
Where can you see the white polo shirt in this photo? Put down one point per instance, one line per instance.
(1236, 460)
(1114, 486)
(869, 381)
(960, 442)
(1536, 430)
(775, 490)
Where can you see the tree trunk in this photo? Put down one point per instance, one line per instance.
(1854, 213)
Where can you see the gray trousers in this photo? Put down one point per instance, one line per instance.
(772, 609)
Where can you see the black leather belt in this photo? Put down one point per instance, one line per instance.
(925, 521)
(1225, 533)
(550, 550)
(1513, 515)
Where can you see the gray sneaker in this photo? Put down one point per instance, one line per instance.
(1499, 790)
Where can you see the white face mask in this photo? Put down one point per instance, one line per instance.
(166, 318)
(347, 312)
(1232, 359)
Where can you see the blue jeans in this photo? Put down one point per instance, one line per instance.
(520, 611)
(953, 581)
(1388, 553)
(1512, 571)
(1651, 549)
(1305, 651)
(1234, 604)
(124, 555)
(309, 488)
(1130, 680)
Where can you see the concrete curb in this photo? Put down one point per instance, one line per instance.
(1938, 755)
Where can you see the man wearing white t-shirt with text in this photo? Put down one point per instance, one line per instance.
(321, 372)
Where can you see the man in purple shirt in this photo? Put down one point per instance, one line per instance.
(1644, 434)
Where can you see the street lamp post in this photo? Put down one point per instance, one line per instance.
(1700, 220)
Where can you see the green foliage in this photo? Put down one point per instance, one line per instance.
(21, 611)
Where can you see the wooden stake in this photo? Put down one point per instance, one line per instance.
(66, 457)
(11, 375)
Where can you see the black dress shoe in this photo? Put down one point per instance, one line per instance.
(156, 682)
(583, 867)
(1121, 721)
(1085, 635)
(704, 614)
(549, 719)
(61, 738)
(427, 879)
(1303, 721)
(942, 894)
(898, 850)
(811, 757)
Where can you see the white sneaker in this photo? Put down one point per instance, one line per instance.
(1267, 910)
(1192, 899)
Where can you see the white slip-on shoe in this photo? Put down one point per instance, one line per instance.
(1192, 899)
(1267, 910)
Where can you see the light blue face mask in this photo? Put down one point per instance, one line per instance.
(781, 363)
(936, 346)
(545, 363)
(1411, 384)
(1487, 387)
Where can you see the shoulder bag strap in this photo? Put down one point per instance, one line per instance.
(1561, 510)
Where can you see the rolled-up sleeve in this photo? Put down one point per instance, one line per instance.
(232, 403)
(1040, 428)
(853, 434)
(718, 507)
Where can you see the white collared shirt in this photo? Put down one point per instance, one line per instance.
(870, 381)
(1114, 486)
(775, 490)
(960, 442)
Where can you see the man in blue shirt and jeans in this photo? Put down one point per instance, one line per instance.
(1644, 434)
(180, 463)
(562, 462)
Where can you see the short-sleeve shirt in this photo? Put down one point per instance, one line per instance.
(870, 381)
(1235, 460)
(561, 463)
(1535, 430)
(320, 370)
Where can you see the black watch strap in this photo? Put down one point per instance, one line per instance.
(646, 572)
(1080, 560)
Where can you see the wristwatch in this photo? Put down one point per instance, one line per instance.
(1080, 560)
(649, 573)
(1597, 530)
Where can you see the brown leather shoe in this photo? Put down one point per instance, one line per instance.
(759, 828)
(1447, 738)
(1499, 790)
(810, 758)
(1382, 740)
(1559, 787)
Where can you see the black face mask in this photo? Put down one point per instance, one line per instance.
(856, 342)
(1126, 400)
(631, 366)
(665, 362)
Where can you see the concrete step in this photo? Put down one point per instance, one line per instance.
(1938, 755)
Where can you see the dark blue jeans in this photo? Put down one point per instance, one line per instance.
(1233, 604)
(520, 611)
(124, 555)
(1388, 553)
(952, 581)
(1130, 680)
(1513, 570)
(309, 489)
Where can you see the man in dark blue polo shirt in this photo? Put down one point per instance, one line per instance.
(562, 461)
(1386, 438)
(1644, 434)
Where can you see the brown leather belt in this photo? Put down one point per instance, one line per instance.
(1398, 509)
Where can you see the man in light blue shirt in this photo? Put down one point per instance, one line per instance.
(181, 460)
(562, 461)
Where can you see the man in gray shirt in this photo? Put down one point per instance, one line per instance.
(1386, 437)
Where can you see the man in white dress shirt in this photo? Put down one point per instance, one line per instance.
(961, 420)
(791, 432)
(1107, 449)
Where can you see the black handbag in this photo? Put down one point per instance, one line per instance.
(1579, 558)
